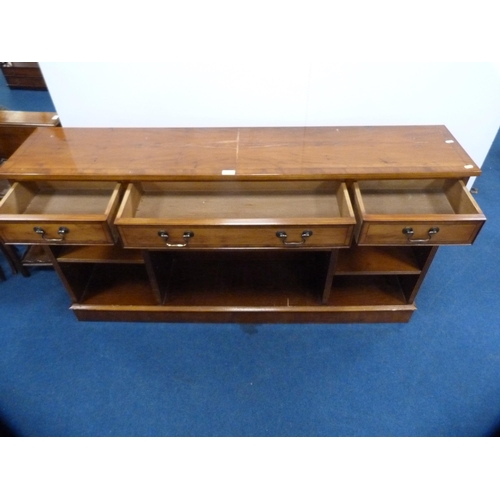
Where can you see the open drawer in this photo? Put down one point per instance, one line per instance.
(236, 214)
(415, 212)
(59, 213)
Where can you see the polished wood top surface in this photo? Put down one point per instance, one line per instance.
(243, 153)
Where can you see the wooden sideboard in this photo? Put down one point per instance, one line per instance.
(314, 224)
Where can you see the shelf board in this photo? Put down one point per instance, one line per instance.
(222, 287)
(210, 286)
(367, 291)
(108, 254)
(377, 260)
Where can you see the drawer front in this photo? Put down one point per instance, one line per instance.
(55, 233)
(59, 212)
(418, 233)
(415, 212)
(235, 236)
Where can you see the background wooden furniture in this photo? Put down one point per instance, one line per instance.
(15, 128)
(249, 225)
(24, 75)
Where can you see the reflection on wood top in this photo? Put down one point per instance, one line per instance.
(228, 153)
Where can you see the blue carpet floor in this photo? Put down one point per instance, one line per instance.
(439, 375)
(24, 100)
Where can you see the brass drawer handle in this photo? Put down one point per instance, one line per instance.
(409, 233)
(63, 231)
(187, 235)
(283, 236)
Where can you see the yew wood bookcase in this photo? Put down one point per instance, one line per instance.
(295, 224)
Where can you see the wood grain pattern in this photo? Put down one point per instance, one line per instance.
(377, 260)
(385, 208)
(99, 254)
(291, 152)
(235, 188)
(236, 214)
(324, 314)
(86, 209)
(227, 236)
(11, 138)
(17, 126)
(9, 118)
(450, 233)
(89, 233)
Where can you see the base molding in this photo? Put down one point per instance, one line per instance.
(326, 314)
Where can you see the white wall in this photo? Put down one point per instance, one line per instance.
(462, 96)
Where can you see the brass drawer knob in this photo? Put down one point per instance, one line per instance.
(63, 231)
(408, 231)
(283, 236)
(186, 236)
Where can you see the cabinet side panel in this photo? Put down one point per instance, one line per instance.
(411, 287)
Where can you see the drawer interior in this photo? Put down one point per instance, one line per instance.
(439, 196)
(65, 198)
(236, 200)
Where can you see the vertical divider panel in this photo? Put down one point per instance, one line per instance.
(74, 277)
(158, 265)
(411, 284)
(332, 265)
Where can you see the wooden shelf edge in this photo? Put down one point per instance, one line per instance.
(99, 254)
(320, 314)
